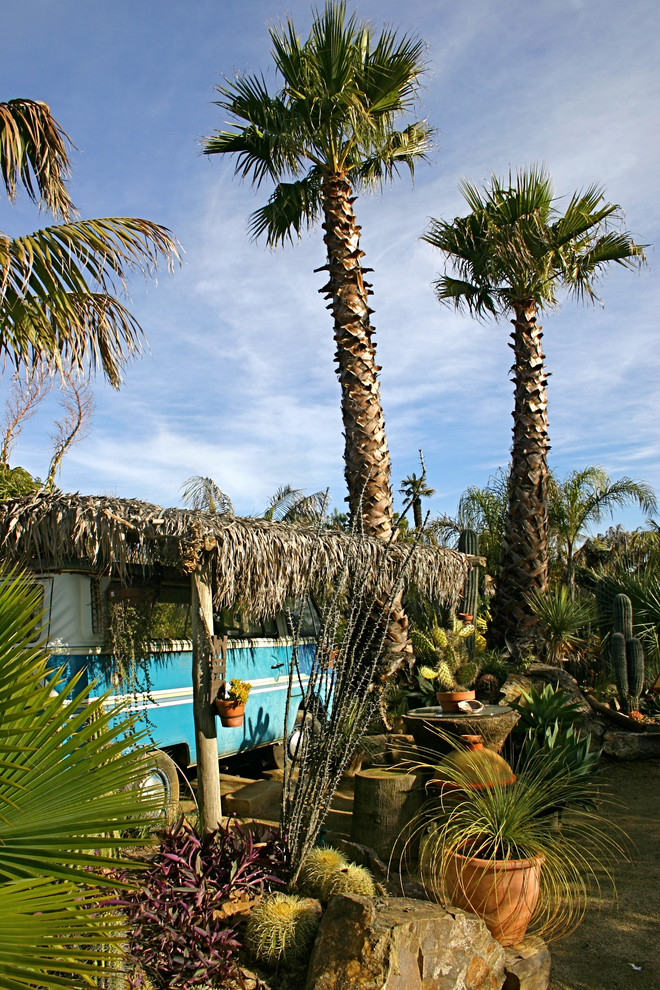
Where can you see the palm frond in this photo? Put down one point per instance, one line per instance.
(203, 493)
(58, 291)
(292, 207)
(33, 152)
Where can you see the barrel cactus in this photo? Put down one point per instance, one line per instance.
(281, 928)
(326, 872)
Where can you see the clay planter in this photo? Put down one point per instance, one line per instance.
(448, 700)
(231, 714)
(503, 893)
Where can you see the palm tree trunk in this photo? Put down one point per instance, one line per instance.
(524, 555)
(366, 457)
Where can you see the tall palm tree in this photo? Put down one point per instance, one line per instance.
(59, 287)
(584, 497)
(509, 256)
(329, 131)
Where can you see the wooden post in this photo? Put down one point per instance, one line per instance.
(385, 802)
(206, 740)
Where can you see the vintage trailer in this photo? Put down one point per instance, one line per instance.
(85, 549)
(75, 629)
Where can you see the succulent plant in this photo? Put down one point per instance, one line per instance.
(627, 655)
(281, 928)
(326, 872)
(468, 542)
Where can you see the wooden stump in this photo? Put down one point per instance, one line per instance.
(385, 801)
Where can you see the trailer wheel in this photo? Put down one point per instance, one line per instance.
(161, 778)
(284, 752)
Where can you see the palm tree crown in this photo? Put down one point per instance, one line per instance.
(517, 247)
(584, 497)
(510, 255)
(59, 287)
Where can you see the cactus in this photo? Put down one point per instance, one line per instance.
(619, 662)
(468, 542)
(467, 674)
(622, 609)
(326, 872)
(635, 661)
(627, 655)
(281, 928)
(444, 677)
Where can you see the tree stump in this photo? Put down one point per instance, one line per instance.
(385, 802)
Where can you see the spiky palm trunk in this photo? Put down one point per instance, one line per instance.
(524, 555)
(366, 457)
(367, 460)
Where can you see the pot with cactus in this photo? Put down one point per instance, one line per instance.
(445, 668)
(230, 706)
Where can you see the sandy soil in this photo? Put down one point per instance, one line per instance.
(617, 947)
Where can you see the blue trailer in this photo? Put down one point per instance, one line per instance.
(75, 630)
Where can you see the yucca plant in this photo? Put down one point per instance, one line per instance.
(67, 792)
(562, 618)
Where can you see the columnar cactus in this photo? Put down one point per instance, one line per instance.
(627, 655)
(468, 542)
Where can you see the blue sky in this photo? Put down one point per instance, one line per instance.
(239, 382)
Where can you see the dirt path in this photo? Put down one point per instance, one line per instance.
(618, 947)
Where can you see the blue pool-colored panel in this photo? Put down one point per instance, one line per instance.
(167, 704)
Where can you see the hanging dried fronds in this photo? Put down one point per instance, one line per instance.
(257, 562)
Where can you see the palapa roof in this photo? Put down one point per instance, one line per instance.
(258, 562)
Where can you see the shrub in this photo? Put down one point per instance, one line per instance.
(180, 936)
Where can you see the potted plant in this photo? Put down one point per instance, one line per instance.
(499, 853)
(231, 707)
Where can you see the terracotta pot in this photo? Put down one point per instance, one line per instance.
(503, 893)
(231, 714)
(448, 700)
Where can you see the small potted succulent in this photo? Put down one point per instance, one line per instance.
(231, 707)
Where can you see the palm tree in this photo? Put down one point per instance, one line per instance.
(59, 286)
(510, 255)
(68, 793)
(414, 489)
(584, 497)
(329, 131)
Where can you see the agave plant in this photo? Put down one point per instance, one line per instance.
(67, 792)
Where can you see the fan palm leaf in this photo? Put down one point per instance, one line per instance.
(67, 791)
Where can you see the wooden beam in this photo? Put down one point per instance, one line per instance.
(206, 740)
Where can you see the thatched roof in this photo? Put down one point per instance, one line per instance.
(258, 562)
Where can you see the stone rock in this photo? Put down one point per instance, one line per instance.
(541, 674)
(631, 745)
(527, 966)
(396, 943)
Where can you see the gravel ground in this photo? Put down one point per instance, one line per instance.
(617, 946)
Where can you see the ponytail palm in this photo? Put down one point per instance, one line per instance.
(510, 256)
(329, 131)
(59, 287)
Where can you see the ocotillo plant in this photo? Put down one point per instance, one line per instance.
(627, 655)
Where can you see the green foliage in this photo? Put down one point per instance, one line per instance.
(342, 91)
(540, 710)
(238, 691)
(562, 618)
(16, 482)
(281, 928)
(519, 821)
(69, 794)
